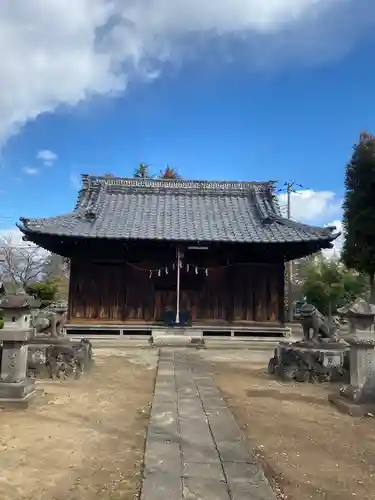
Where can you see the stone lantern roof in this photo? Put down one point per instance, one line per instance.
(359, 308)
(19, 301)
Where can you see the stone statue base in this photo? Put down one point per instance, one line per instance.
(17, 395)
(58, 358)
(310, 361)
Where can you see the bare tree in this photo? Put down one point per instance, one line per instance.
(66, 268)
(21, 264)
(55, 266)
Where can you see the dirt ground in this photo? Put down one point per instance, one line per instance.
(309, 449)
(82, 439)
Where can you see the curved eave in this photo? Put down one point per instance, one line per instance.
(336, 235)
(325, 241)
(324, 233)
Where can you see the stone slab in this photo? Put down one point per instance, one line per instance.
(203, 471)
(177, 341)
(204, 489)
(199, 454)
(159, 406)
(185, 411)
(232, 451)
(187, 392)
(162, 438)
(350, 408)
(214, 403)
(194, 448)
(161, 486)
(239, 473)
(164, 419)
(170, 432)
(223, 431)
(188, 332)
(203, 445)
(261, 491)
(195, 427)
(163, 457)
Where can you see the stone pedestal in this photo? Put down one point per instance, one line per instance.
(308, 362)
(177, 337)
(59, 357)
(16, 390)
(358, 398)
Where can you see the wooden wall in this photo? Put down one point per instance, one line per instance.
(120, 292)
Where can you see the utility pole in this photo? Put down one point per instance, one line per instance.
(290, 188)
(290, 262)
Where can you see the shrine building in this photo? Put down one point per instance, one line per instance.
(149, 252)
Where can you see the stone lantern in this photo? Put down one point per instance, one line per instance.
(360, 316)
(358, 398)
(15, 388)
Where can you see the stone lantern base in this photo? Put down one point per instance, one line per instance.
(347, 404)
(17, 395)
(16, 390)
(358, 398)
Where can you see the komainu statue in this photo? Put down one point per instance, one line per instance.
(316, 327)
(319, 357)
(51, 352)
(51, 320)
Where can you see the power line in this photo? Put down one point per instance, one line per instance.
(29, 247)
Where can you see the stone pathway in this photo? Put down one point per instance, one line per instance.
(194, 448)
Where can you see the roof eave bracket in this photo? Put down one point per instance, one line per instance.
(90, 214)
(268, 219)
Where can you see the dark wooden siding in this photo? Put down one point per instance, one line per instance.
(228, 294)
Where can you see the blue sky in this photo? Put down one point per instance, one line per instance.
(279, 93)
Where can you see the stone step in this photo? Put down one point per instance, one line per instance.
(173, 337)
(180, 331)
(226, 343)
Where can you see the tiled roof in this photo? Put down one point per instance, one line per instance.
(177, 210)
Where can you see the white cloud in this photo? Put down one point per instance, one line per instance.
(59, 52)
(338, 243)
(47, 157)
(75, 181)
(30, 170)
(309, 205)
(317, 208)
(13, 236)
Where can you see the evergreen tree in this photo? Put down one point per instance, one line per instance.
(359, 210)
(142, 171)
(328, 284)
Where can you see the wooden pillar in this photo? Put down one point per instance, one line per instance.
(281, 292)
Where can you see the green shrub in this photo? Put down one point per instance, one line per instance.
(45, 291)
